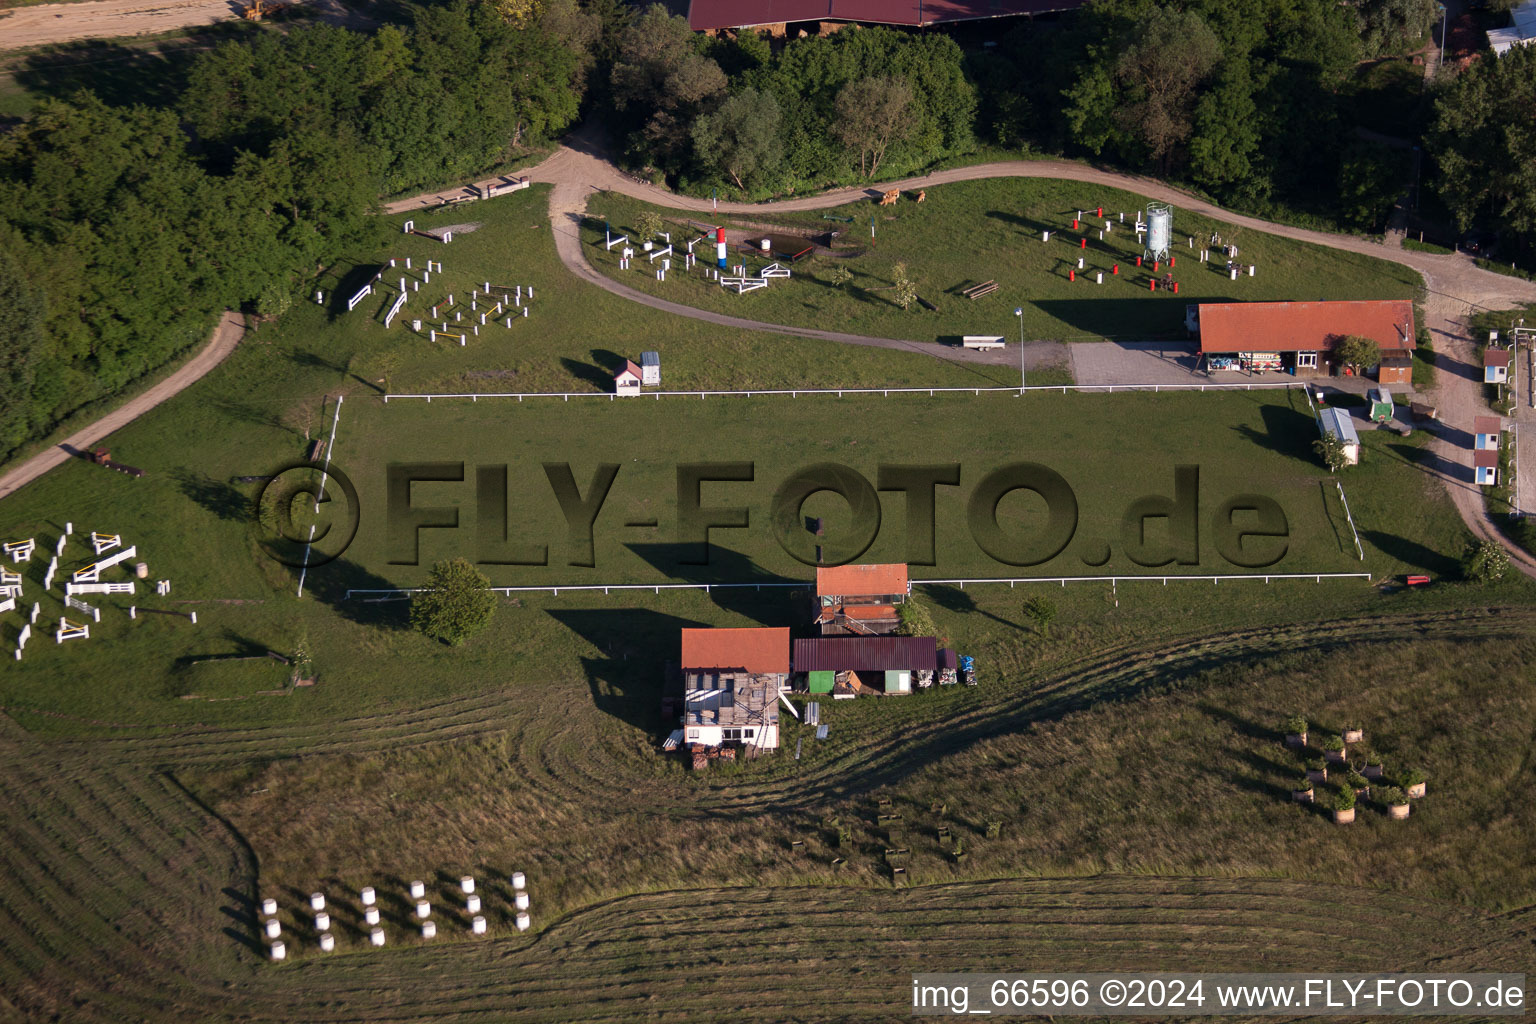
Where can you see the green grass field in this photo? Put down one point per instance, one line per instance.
(971, 232)
(161, 778)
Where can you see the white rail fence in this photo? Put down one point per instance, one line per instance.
(400, 593)
(840, 392)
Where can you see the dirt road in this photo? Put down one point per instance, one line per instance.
(226, 336)
(47, 24)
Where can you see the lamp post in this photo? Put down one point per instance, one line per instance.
(1019, 312)
(1443, 13)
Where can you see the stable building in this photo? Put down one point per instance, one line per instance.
(732, 682)
(851, 666)
(1300, 337)
(860, 599)
(789, 17)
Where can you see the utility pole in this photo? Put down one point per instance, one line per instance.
(1443, 13)
(1019, 312)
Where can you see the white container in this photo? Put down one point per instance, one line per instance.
(429, 929)
(522, 901)
(467, 884)
(376, 936)
(371, 915)
(268, 908)
(518, 881)
(472, 904)
(367, 896)
(418, 890)
(523, 922)
(274, 928)
(477, 926)
(423, 908)
(322, 922)
(317, 901)
(279, 951)
(327, 942)
(767, 245)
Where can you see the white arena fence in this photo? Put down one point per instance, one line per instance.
(840, 392)
(657, 588)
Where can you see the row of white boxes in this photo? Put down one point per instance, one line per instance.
(369, 898)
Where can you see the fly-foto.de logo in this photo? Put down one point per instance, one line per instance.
(1247, 530)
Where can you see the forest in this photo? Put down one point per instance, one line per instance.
(125, 227)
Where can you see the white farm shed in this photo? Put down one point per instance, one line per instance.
(1337, 423)
(650, 368)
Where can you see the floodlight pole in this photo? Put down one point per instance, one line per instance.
(1019, 312)
(1443, 13)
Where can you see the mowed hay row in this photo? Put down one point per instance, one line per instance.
(113, 896)
(798, 953)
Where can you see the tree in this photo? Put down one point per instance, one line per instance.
(1040, 611)
(1358, 352)
(840, 276)
(1394, 26)
(456, 604)
(871, 114)
(915, 619)
(1483, 142)
(1486, 561)
(648, 225)
(1330, 448)
(905, 287)
(661, 82)
(741, 138)
(1171, 54)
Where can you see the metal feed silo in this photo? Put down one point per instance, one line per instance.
(1159, 230)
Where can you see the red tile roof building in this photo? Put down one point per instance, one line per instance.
(757, 651)
(860, 599)
(1303, 326)
(715, 14)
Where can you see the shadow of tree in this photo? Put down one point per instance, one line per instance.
(220, 499)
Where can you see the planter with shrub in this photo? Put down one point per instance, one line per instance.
(1414, 782)
(1333, 748)
(1396, 801)
(1317, 770)
(1353, 734)
(1296, 731)
(1344, 807)
(1357, 782)
(1301, 791)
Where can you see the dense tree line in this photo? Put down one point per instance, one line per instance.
(1484, 141)
(737, 112)
(123, 231)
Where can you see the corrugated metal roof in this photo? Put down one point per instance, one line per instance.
(705, 14)
(650, 358)
(1339, 423)
(1303, 326)
(865, 654)
(757, 650)
(947, 658)
(862, 580)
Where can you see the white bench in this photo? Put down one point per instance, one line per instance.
(982, 341)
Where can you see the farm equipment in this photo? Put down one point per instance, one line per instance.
(258, 9)
(967, 670)
(102, 457)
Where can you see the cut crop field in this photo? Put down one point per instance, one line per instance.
(1141, 797)
(968, 233)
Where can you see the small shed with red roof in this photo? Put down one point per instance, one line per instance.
(1486, 430)
(860, 599)
(627, 380)
(1495, 365)
(1485, 467)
